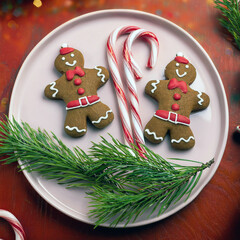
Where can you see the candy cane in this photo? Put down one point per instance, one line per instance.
(132, 70)
(114, 69)
(152, 40)
(16, 225)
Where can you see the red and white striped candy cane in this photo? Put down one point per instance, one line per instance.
(152, 40)
(117, 80)
(16, 225)
(132, 71)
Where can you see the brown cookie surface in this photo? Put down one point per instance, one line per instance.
(176, 100)
(77, 87)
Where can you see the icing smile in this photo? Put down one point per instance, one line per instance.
(71, 64)
(180, 75)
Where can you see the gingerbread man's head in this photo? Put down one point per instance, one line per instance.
(68, 59)
(181, 69)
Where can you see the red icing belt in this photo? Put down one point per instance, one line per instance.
(172, 117)
(83, 102)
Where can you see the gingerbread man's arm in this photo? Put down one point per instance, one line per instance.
(52, 90)
(151, 88)
(102, 75)
(201, 100)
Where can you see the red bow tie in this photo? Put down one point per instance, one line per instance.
(77, 71)
(174, 83)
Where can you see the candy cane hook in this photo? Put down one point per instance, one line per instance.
(152, 40)
(16, 225)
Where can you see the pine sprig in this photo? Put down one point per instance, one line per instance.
(159, 183)
(45, 154)
(231, 17)
(122, 184)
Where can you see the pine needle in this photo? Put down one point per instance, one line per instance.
(122, 184)
(231, 17)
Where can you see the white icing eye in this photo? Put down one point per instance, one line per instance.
(63, 58)
(187, 66)
(177, 64)
(72, 55)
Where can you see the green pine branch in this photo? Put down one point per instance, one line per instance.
(231, 17)
(122, 184)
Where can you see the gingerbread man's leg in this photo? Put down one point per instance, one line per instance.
(76, 122)
(100, 115)
(155, 130)
(182, 137)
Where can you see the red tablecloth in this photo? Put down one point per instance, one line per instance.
(214, 214)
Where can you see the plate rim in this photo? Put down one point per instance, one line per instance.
(214, 167)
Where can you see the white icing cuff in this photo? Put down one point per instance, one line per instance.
(182, 139)
(75, 128)
(199, 97)
(154, 85)
(154, 134)
(53, 89)
(103, 117)
(100, 74)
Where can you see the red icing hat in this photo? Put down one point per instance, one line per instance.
(65, 49)
(179, 58)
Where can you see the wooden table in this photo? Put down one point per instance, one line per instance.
(214, 214)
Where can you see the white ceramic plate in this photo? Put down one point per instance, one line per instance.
(89, 34)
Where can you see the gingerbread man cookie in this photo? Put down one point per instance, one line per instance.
(176, 101)
(78, 88)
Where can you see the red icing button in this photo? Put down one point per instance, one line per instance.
(177, 96)
(81, 91)
(175, 107)
(77, 81)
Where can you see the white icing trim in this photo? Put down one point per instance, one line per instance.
(71, 64)
(88, 103)
(64, 45)
(180, 54)
(80, 106)
(154, 134)
(101, 118)
(168, 119)
(180, 75)
(99, 74)
(75, 128)
(53, 89)
(182, 139)
(199, 97)
(155, 86)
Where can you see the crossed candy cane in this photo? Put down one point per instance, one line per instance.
(132, 71)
